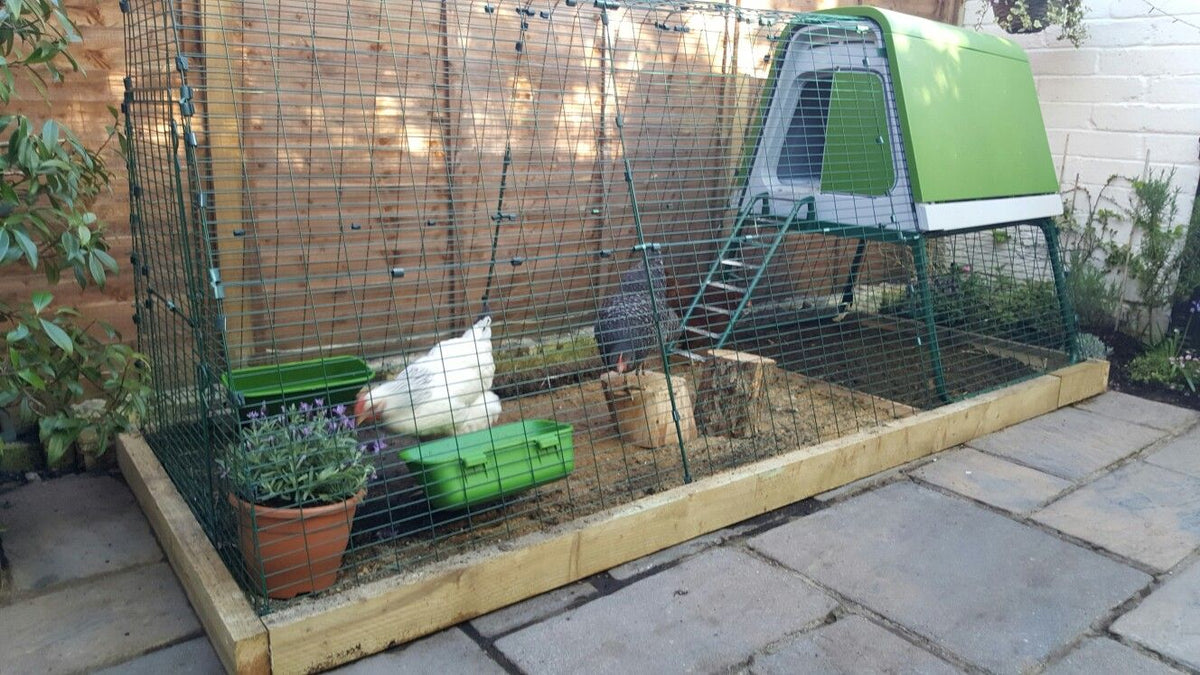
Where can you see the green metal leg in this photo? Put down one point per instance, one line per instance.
(921, 262)
(1050, 231)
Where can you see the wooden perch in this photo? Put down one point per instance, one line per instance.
(730, 399)
(641, 405)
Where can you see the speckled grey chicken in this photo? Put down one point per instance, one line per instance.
(625, 325)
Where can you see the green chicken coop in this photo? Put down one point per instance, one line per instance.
(888, 128)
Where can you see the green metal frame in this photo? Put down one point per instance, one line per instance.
(917, 243)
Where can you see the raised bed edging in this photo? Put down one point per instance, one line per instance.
(328, 631)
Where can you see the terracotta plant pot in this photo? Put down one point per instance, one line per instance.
(299, 550)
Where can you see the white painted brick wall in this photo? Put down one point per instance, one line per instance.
(1128, 98)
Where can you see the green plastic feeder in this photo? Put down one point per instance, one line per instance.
(483, 466)
(335, 379)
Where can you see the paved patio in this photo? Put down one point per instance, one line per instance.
(1066, 544)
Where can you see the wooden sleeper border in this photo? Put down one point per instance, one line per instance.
(328, 631)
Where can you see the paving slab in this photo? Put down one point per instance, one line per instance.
(1101, 655)
(679, 551)
(73, 527)
(709, 613)
(534, 609)
(992, 480)
(1142, 411)
(850, 646)
(1141, 511)
(999, 594)
(97, 623)
(1068, 443)
(1181, 454)
(194, 657)
(1168, 621)
(449, 652)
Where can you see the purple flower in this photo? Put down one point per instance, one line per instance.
(1195, 306)
(376, 446)
(253, 415)
(340, 410)
(320, 402)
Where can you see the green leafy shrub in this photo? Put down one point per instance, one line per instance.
(303, 456)
(55, 358)
(1154, 263)
(1095, 295)
(1167, 362)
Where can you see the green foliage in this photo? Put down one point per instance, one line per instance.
(1167, 362)
(34, 39)
(1153, 262)
(995, 305)
(568, 350)
(1152, 210)
(303, 456)
(1095, 295)
(1034, 16)
(50, 178)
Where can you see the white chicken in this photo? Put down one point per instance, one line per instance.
(478, 416)
(440, 393)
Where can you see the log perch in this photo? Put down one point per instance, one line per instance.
(730, 399)
(641, 405)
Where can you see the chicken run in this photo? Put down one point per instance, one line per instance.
(548, 258)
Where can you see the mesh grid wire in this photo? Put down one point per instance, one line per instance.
(318, 180)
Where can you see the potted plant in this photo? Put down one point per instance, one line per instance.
(295, 481)
(1034, 16)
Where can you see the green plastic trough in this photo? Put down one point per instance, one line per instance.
(483, 466)
(335, 379)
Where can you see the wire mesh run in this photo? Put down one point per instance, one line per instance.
(505, 265)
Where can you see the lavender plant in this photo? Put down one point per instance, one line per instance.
(304, 456)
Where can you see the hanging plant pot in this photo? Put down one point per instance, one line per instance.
(1021, 16)
(299, 550)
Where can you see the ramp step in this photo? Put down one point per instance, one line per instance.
(701, 331)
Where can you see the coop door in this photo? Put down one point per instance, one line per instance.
(838, 135)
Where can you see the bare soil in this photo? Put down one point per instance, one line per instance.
(832, 378)
(396, 530)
